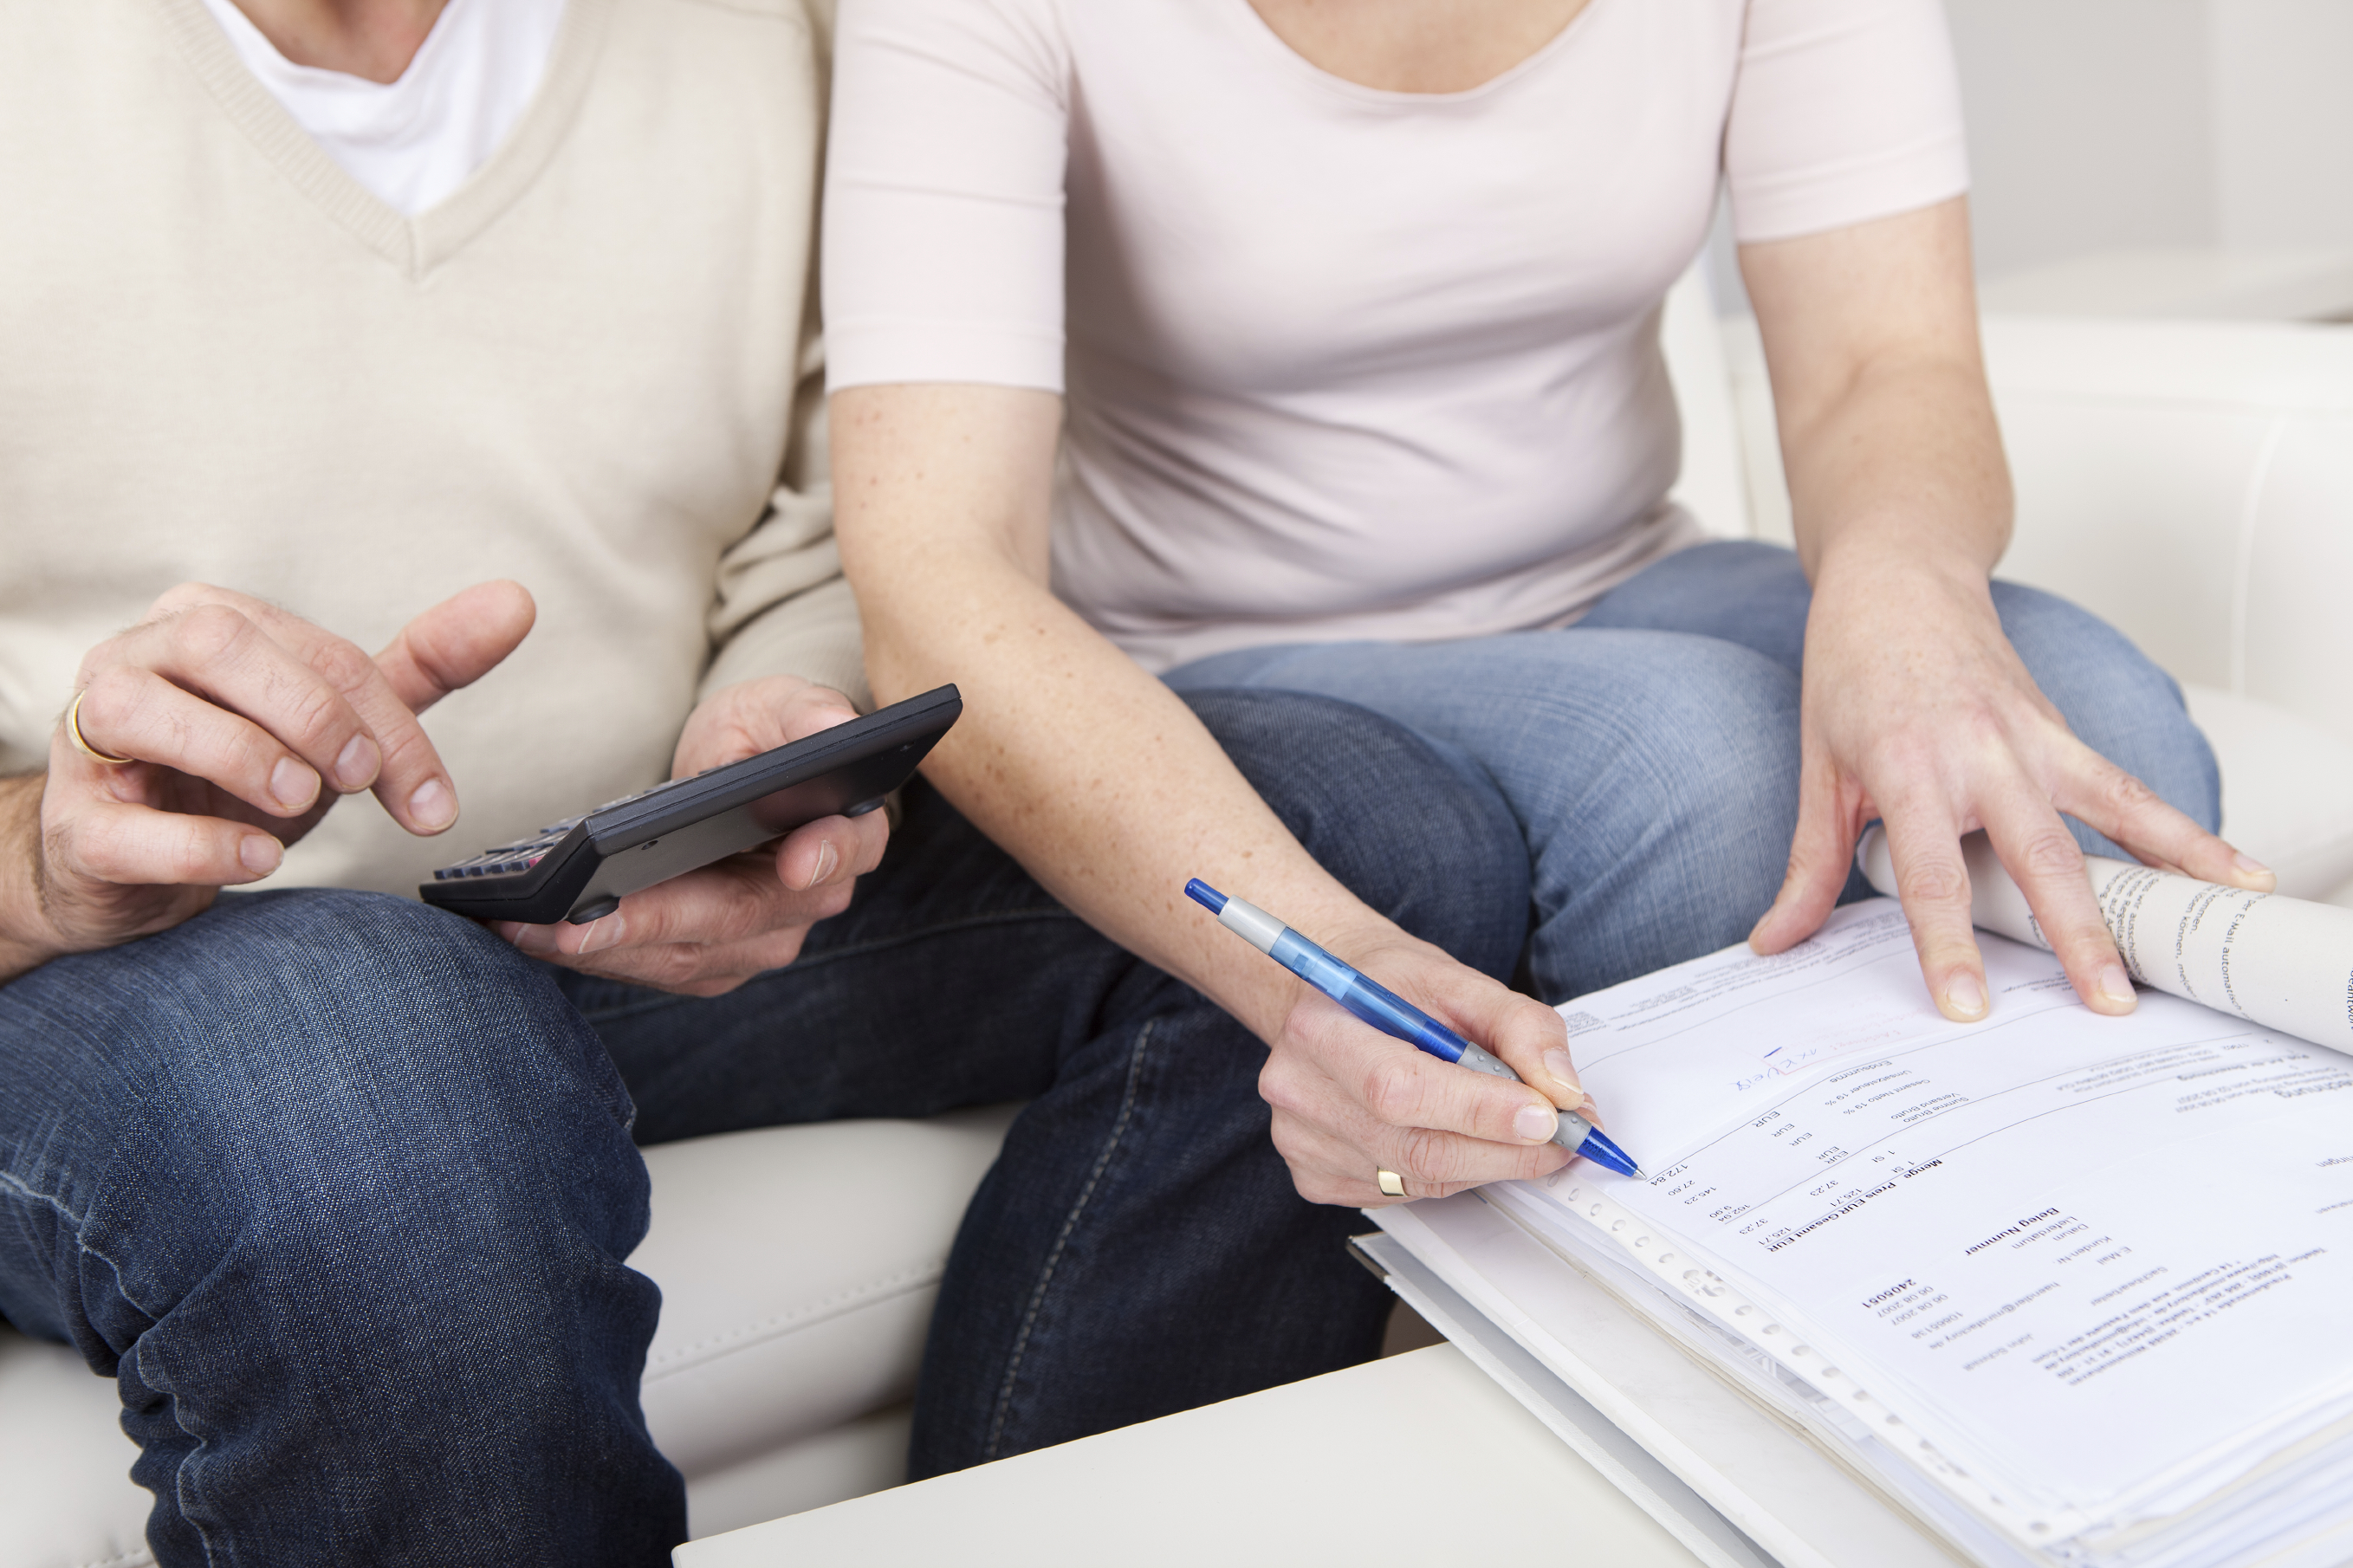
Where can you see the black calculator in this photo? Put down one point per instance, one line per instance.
(580, 869)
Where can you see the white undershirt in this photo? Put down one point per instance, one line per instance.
(414, 140)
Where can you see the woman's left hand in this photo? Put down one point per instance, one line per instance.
(1917, 711)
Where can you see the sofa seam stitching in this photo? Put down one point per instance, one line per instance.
(900, 1284)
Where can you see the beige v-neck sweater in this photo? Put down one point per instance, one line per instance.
(591, 369)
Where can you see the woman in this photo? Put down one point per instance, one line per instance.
(1358, 304)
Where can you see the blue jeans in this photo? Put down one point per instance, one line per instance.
(1649, 751)
(338, 1188)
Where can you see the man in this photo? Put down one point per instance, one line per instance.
(478, 336)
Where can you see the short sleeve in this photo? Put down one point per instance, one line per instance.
(1845, 111)
(943, 249)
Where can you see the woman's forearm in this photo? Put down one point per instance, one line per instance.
(1089, 771)
(1905, 468)
(1888, 437)
(1917, 711)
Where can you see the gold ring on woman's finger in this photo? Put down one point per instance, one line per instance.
(73, 733)
(1392, 1184)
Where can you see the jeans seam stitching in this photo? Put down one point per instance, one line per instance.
(180, 1471)
(10, 1179)
(1061, 1238)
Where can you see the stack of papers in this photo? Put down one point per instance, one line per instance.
(2066, 1289)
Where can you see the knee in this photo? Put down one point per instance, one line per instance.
(1700, 782)
(1417, 830)
(321, 1074)
(1718, 737)
(332, 999)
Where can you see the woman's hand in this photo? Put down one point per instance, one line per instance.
(1917, 711)
(708, 931)
(242, 725)
(1350, 1101)
(1110, 791)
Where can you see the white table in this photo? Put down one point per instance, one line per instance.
(1419, 1459)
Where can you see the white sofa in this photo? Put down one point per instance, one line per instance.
(2193, 483)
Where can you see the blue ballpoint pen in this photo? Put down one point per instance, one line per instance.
(1390, 1014)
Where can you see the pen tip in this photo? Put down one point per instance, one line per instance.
(1208, 897)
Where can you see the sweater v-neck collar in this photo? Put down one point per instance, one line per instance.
(413, 245)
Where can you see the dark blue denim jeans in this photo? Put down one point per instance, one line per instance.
(339, 1187)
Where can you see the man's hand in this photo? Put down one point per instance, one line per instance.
(1350, 1101)
(710, 930)
(244, 725)
(1917, 711)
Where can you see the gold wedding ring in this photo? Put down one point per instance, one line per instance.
(1392, 1184)
(73, 733)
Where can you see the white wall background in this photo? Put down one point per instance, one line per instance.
(2105, 124)
(2091, 125)
(2283, 76)
(2100, 125)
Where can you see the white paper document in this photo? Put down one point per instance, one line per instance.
(2095, 1274)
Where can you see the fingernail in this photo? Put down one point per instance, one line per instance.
(1965, 997)
(1564, 1072)
(260, 854)
(2116, 985)
(2250, 866)
(356, 764)
(600, 935)
(1536, 1124)
(433, 805)
(826, 861)
(291, 784)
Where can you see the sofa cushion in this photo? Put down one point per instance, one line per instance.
(2287, 791)
(798, 1266)
(66, 1496)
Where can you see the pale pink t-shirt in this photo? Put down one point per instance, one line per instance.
(1343, 362)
